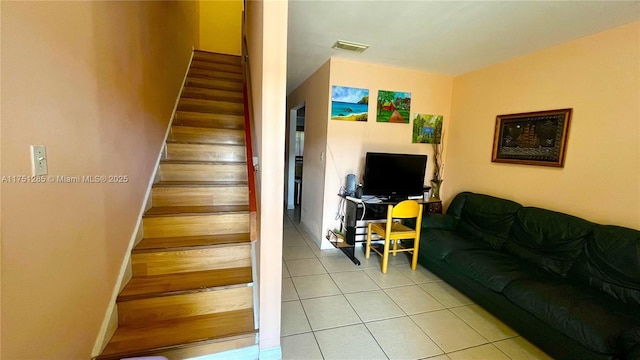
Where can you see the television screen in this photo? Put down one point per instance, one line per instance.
(394, 175)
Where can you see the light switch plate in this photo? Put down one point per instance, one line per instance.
(38, 160)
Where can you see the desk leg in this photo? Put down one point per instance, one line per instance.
(350, 252)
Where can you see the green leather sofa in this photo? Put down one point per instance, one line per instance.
(568, 285)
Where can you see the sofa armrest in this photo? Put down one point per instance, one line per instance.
(439, 221)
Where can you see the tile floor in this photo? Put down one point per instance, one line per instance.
(333, 309)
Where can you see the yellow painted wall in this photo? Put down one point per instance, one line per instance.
(221, 26)
(96, 83)
(599, 77)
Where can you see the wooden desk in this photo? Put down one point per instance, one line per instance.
(354, 224)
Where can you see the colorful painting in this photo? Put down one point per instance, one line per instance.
(393, 106)
(427, 129)
(350, 104)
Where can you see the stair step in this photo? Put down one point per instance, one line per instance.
(200, 183)
(214, 74)
(199, 195)
(192, 171)
(198, 64)
(188, 242)
(211, 106)
(212, 94)
(182, 305)
(219, 84)
(207, 120)
(171, 284)
(206, 152)
(171, 335)
(196, 225)
(206, 135)
(194, 210)
(169, 261)
(200, 55)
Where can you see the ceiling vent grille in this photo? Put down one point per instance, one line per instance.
(350, 46)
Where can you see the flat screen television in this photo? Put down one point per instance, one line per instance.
(396, 176)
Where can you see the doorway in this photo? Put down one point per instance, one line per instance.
(295, 159)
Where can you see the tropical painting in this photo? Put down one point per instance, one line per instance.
(393, 106)
(351, 104)
(427, 129)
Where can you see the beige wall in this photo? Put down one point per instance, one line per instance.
(315, 95)
(267, 41)
(96, 83)
(335, 148)
(221, 26)
(599, 77)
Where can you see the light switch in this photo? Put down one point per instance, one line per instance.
(39, 160)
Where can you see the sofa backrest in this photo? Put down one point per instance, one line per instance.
(610, 262)
(487, 217)
(549, 239)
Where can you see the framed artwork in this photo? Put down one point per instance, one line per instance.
(393, 106)
(427, 129)
(534, 138)
(349, 104)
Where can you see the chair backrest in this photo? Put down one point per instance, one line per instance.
(406, 209)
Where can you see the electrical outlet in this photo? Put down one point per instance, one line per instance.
(38, 160)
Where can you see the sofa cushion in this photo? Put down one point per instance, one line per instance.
(438, 243)
(488, 218)
(491, 268)
(611, 263)
(594, 320)
(550, 239)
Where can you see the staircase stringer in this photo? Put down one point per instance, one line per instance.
(110, 321)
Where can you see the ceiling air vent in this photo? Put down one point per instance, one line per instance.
(350, 46)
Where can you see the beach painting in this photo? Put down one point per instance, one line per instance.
(349, 104)
(393, 106)
(427, 129)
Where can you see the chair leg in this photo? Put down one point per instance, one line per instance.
(385, 256)
(395, 246)
(367, 249)
(414, 260)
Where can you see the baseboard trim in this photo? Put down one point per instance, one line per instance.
(274, 353)
(247, 353)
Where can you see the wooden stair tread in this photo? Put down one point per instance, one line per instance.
(202, 55)
(215, 74)
(200, 143)
(194, 210)
(189, 92)
(148, 244)
(199, 183)
(171, 284)
(145, 338)
(201, 64)
(200, 162)
(208, 120)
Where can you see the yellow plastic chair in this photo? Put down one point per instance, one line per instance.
(394, 231)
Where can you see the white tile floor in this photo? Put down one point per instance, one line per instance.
(334, 309)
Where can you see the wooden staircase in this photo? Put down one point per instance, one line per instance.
(191, 292)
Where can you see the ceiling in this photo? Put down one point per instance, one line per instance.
(448, 37)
